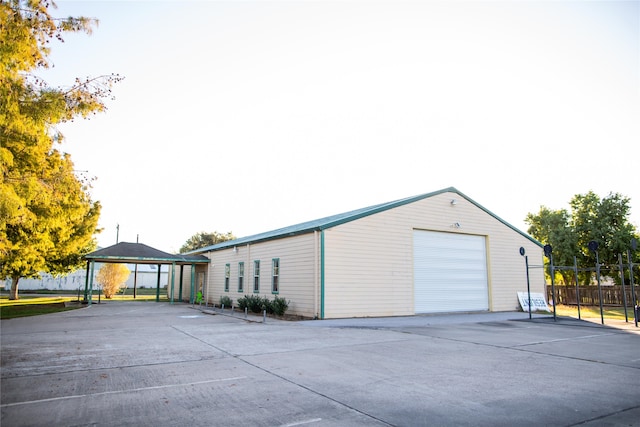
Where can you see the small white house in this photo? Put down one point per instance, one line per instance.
(143, 275)
(432, 253)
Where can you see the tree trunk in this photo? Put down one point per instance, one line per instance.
(13, 294)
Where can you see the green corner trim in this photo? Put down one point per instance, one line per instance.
(322, 274)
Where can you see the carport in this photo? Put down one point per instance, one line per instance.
(138, 253)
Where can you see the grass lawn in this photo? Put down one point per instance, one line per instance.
(587, 312)
(46, 302)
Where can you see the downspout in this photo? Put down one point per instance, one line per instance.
(316, 274)
(322, 274)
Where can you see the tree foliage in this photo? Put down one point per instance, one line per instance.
(47, 217)
(203, 239)
(605, 221)
(111, 277)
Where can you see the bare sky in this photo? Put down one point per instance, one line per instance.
(249, 116)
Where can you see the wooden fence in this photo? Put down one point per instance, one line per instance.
(611, 295)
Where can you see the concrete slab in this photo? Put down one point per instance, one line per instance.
(158, 364)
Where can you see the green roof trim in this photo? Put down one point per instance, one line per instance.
(335, 220)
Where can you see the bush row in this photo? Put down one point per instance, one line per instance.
(256, 304)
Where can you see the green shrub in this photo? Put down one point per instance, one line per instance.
(243, 303)
(279, 306)
(255, 303)
(226, 301)
(265, 304)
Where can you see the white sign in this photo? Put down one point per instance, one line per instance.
(537, 301)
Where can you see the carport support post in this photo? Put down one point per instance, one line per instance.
(173, 279)
(158, 284)
(93, 263)
(193, 282)
(181, 273)
(86, 280)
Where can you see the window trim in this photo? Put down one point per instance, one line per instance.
(227, 276)
(241, 277)
(275, 275)
(256, 276)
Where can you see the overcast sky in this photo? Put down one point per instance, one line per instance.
(249, 116)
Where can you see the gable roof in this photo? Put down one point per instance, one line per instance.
(334, 220)
(138, 253)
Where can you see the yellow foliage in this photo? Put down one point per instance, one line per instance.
(111, 277)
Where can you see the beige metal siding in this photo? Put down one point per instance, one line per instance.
(369, 262)
(298, 266)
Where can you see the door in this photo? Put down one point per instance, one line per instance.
(449, 272)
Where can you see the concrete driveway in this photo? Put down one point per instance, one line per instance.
(145, 363)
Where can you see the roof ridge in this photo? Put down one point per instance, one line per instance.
(322, 223)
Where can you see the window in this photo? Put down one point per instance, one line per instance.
(227, 276)
(275, 275)
(256, 276)
(241, 277)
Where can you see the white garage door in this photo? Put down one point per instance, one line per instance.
(449, 272)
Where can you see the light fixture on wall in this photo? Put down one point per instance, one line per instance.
(456, 225)
(453, 202)
(235, 249)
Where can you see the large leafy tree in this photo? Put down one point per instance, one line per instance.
(553, 227)
(47, 217)
(203, 239)
(605, 221)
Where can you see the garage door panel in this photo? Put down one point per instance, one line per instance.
(450, 272)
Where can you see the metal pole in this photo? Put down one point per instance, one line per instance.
(624, 291)
(599, 286)
(553, 285)
(633, 292)
(575, 272)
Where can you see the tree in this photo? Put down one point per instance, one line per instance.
(605, 221)
(111, 277)
(203, 239)
(47, 217)
(552, 227)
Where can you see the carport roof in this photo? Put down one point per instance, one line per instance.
(138, 253)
